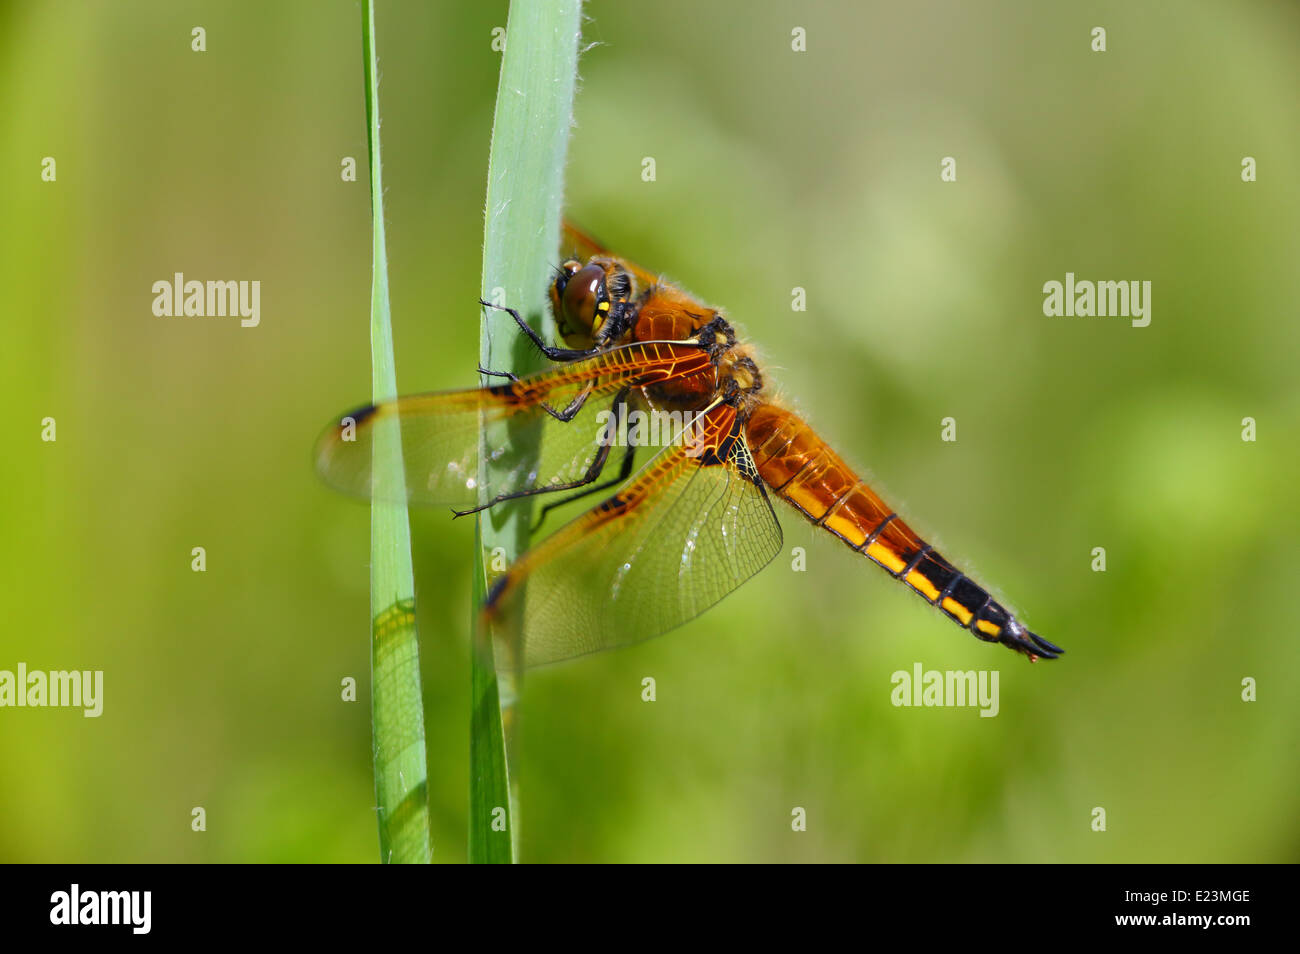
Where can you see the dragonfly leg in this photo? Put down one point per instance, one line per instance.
(554, 354)
(624, 470)
(498, 374)
(570, 412)
(590, 477)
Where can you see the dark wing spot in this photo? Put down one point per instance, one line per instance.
(361, 415)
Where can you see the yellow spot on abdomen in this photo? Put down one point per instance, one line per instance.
(987, 628)
(923, 586)
(956, 609)
(849, 530)
(811, 502)
(886, 557)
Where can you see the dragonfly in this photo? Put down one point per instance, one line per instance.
(694, 522)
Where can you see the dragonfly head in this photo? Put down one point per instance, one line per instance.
(589, 301)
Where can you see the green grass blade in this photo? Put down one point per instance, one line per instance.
(530, 137)
(401, 787)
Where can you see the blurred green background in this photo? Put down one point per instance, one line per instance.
(775, 169)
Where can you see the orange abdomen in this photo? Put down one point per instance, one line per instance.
(803, 470)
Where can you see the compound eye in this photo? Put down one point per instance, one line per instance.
(562, 276)
(583, 294)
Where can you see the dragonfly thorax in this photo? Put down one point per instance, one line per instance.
(739, 381)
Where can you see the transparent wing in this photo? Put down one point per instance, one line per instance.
(688, 529)
(515, 429)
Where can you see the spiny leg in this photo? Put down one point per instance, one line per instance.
(570, 412)
(498, 374)
(624, 471)
(593, 470)
(554, 354)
